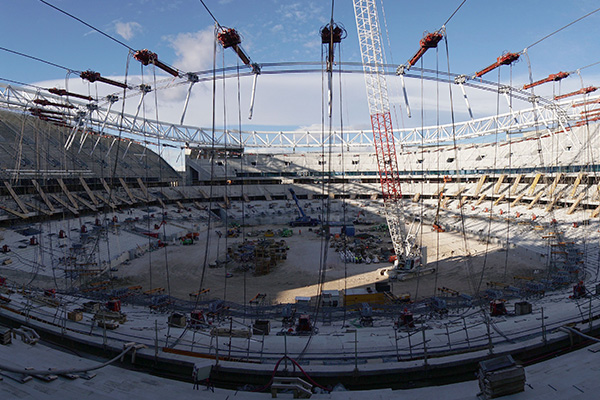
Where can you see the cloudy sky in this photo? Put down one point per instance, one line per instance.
(181, 33)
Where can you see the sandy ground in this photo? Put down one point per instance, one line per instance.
(298, 275)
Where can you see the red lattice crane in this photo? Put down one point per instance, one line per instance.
(408, 253)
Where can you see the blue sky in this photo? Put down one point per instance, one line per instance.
(287, 30)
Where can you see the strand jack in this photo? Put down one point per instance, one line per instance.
(63, 92)
(146, 57)
(229, 37)
(331, 35)
(551, 78)
(44, 102)
(584, 90)
(429, 41)
(96, 77)
(505, 59)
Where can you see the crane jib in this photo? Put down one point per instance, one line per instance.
(407, 252)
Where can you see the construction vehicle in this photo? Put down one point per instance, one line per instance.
(366, 315)
(406, 320)
(304, 325)
(361, 220)
(579, 291)
(286, 232)
(303, 219)
(435, 226)
(409, 257)
(497, 308)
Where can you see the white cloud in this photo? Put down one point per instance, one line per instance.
(301, 11)
(194, 49)
(127, 30)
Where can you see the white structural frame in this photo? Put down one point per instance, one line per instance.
(371, 49)
(543, 114)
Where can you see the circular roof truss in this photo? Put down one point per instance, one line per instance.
(543, 114)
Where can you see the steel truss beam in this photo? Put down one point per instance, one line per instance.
(543, 114)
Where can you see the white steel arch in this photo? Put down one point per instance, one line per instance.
(542, 115)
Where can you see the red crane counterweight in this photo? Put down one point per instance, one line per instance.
(505, 59)
(146, 57)
(551, 78)
(429, 41)
(584, 90)
(95, 76)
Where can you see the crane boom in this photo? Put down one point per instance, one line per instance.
(367, 23)
(302, 214)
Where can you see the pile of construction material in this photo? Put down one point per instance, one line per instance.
(362, 248)
(267, 254)
(261, 255)
(500, 376)
(5, 335)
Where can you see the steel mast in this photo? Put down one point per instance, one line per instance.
(371, 48)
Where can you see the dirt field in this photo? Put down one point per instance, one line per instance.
(298, 275)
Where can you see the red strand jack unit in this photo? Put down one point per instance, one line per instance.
(550, 78)
(429, 41)
(146, 57)
(95, 76)
(505, 59)
(584, 90)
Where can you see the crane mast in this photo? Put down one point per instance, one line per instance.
(367, 23)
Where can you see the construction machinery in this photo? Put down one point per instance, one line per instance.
(304, 326)
(409, 256)
(303, 219)
(504, 59)
(229, 37)
(429, 41)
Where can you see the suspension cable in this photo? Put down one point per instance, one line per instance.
(212, 165)
(564, 27)
(455, 11)
(88, 25)
(211, 14)
(38, 59)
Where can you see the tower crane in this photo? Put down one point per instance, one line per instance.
(408, 254)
